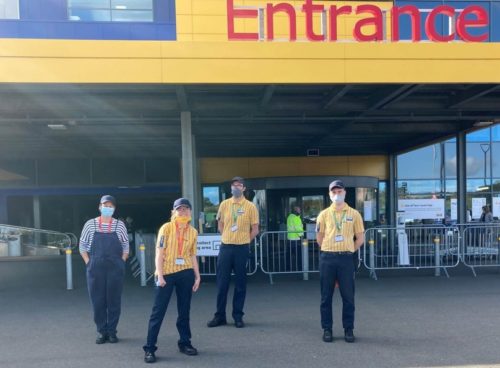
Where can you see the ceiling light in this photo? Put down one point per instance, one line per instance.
(57, 126)
(482, 188)
(121, 7)
(483, 123)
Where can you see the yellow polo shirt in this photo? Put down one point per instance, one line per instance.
(168, 242)
(339, 228)
(240, 215)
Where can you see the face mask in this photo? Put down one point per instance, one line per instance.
(107, 211)
(337, 198)
(236, 192)
(182, 220)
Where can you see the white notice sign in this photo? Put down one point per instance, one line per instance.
(420, 209)
(454, 209)
(477, 207)
(496, 207)
(208, 245)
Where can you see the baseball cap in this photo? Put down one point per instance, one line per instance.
(336, 184)
(108, 198)
(238, 179)
(182, 202)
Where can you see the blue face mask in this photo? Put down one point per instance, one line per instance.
(107, 211)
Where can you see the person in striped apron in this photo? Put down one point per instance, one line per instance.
(104, 248)
(176, 269)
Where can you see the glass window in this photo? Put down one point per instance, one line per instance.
(495, 133)
(211, 201)
(477, 185)
(311, 207)
(423, 163)
(450, 159)
(414, 189)
(495, 154)
(477, 161)
(111, 10)
(482, 135)
(382, 202)
(9, 9)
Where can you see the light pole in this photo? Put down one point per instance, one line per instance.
(485, 147)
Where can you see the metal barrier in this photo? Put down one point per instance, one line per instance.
(414, 247)
(481, 245)
(144, 263)
(16, 241)
(278, 255)
(208, 264)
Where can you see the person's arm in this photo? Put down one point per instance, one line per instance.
(84, 243)
(360, 240)
(123, 235)
(320, 230)
(254, 220)
(220, 222)
(159, 257)
(196, 269)
(254, 232)
(85, 257)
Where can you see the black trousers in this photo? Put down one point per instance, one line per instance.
(337, 267)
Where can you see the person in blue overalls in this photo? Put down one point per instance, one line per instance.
(104, 248)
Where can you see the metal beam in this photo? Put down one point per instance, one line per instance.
(471, 94)
(182, 98)
(335, 95)
(268, 95)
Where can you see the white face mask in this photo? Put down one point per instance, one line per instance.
(337, 198)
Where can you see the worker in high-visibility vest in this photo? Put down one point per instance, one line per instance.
(295, 232)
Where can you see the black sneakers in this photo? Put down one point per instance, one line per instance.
(188, 349)
(216, 322)
(101, 338)
(239, 323)
(113, 339)
(327, 335)
(349, 335)
(149, 357)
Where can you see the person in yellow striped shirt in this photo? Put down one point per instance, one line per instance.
(238, 222)
(340, 233)
(176, 268)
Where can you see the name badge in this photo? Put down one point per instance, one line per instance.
(339, 238)
(234, 228)
(240, 212)
(180, 261)
(349, 219)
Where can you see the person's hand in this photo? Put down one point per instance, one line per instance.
(196, 284)
(161, 281)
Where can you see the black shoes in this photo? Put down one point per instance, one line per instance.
(216, 322)
(149, 357)
(113, 339)
(188, 349)
(101, 338)
(239, 323)
(349, 335)
(327, 335)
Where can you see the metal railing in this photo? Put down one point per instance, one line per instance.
(279, 255)
(16, 241)
(413, 247)
(480, 245)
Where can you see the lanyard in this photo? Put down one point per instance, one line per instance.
(100, 225)
(338, 224)
(180, 238)
(235, 214)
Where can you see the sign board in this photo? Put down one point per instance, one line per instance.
(420, 209)
(477, 207)
(496, 207)
(454, 209)
(208, 245)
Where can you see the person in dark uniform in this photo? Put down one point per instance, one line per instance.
(340, 233)
(104, 248)
(176, 269)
